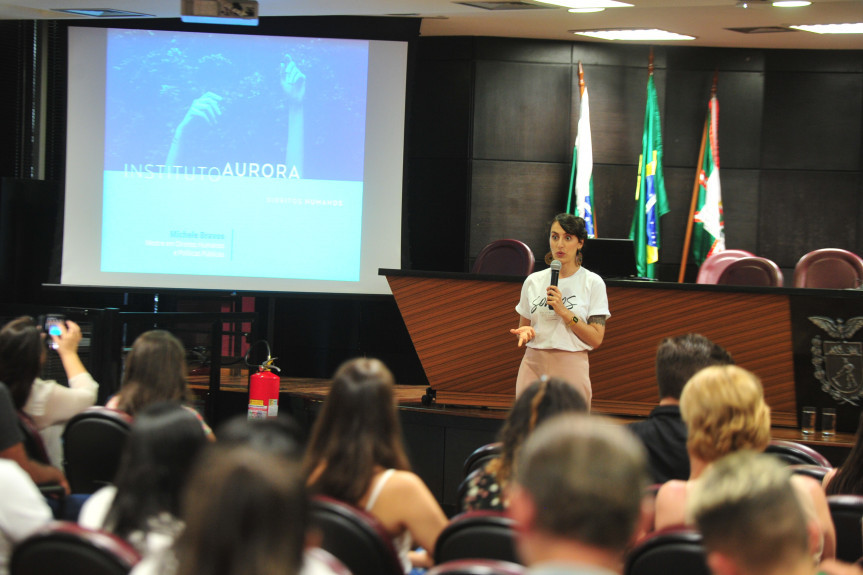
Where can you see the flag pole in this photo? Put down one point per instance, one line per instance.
(688, 237)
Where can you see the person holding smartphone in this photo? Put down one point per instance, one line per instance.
(46, 403)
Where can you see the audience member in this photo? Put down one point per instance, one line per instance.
(245, 512)
(155, 370)
(276, 435)
(12, 446)
(541, 400)
(752, 519)
(577, 496)
(725, 412)
(22, 509)
(848, 478)
(144, 504)
(355, 454)
(45, 404)
(663, 432)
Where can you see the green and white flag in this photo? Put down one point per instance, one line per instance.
(708, 229)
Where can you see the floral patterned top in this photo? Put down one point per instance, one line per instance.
(483, 493)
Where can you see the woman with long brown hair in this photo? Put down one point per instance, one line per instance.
(355, 454)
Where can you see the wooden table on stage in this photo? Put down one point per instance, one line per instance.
(459, 325)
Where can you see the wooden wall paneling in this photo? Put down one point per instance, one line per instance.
(460, 329)
(438, 192)
(740, 193)
(812, 121)
(522, 112)
(617, 100)
(618, 55)
(802, 211)
(441, 110)
(446, 48)
(710, 59)
(622, 369)
(848, 61)
(740, 97)
(614, 198)
(516, 200)
(527, 50)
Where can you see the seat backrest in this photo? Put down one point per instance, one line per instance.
(671, 550)
(355, 537)
(847, 513)
(477, 535)
(93, 442)
(712, 267)
(752, 271)
(477, 567)
(829, 268)
(794, 453)
(816, 472)
(504, 257)
(67, 548)
(480, 456)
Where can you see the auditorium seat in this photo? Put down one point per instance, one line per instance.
(480, 456)
(670, 550)
(355, 537)
(477, 567)
(752, 271)
(477, 535)
(847, 513)
(829, 268)
(67, 548)
(712, 267)
(93, 442)
(504, 257)
(794, 453)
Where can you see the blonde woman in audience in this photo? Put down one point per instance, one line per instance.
(355, 454)
(45, 403)
(143, 505)
(544, 398)
(724, 411)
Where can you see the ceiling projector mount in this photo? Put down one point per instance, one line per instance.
(242, 12)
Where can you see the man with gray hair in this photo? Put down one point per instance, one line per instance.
(754, 522)
(578, 496)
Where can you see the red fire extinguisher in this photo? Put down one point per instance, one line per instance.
(264, 391)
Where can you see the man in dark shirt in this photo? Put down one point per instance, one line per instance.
(663, 432)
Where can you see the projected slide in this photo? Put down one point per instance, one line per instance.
(232, 155)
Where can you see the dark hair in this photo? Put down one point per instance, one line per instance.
(572, 225)
(679, 358)
(358, 429)
(21, 348)
(541, 400)
(848, 479)
(155, 371)
(156, 461)
(245, 512)
(280, 435)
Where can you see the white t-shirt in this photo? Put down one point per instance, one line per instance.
(583, 293)
(22, 509)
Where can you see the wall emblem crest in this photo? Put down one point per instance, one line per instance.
(838, 362)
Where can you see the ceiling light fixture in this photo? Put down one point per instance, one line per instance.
(585, 10)
(849, 28)
(579, 4)
(238, 12)
(633, 35)
(791, 3)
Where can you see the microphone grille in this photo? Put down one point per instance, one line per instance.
(555, 265)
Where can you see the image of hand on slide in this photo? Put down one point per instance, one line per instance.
(204, 113)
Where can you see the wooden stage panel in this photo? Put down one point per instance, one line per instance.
(754, 327)
(460, 324)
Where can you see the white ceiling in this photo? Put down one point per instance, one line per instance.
(707, 20)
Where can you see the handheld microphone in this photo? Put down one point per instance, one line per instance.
(555, 273)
